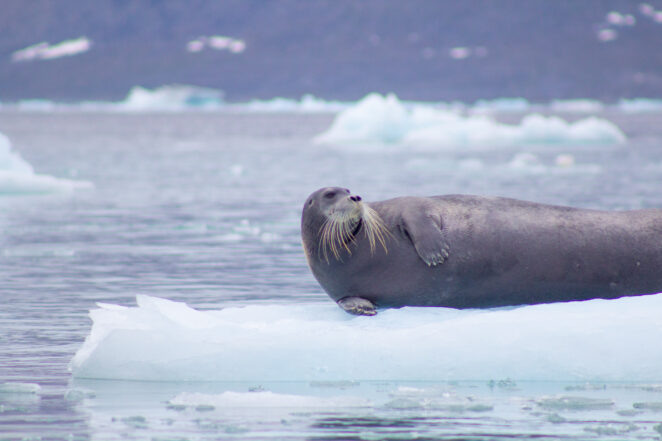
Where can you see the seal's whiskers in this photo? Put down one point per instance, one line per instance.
(337, 232)
(375, 229)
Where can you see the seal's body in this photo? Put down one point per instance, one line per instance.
(465, 251)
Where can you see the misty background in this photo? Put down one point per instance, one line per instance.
(70, 50)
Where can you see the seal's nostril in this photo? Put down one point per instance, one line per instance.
(355, 198)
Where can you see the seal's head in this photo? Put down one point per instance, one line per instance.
(333, 219)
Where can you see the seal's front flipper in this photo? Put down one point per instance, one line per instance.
(427, 234)
(357, 306)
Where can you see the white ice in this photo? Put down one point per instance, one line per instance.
(307, 104)
(18, 177)
(161, 340)
(577, 106)
(173, 97)
(378, 119)
(640, 105)
(502, 105)
(19, 388)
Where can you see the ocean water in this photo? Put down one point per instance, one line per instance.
(204, 208)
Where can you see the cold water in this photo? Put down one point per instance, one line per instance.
(203, 208)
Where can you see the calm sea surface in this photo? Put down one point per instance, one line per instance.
(204, 208)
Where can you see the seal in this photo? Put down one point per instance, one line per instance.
(464, 251)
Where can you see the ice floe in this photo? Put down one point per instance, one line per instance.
(577, 106)
(640, 105)
(19, 388)
(18, 177)
(307, 104)
(172, 97)
(597, 340)
(378, 119)
(233, 400)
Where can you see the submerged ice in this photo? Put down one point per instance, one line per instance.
(597, 340)
(378, 119)
(18, 177)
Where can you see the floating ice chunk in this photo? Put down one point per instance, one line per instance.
(44, 51)
(19, 388)
(77, 394)
(235, 400)
(378, 119)
(307, 104)
(640, 105)
(37, 105)
(18, 177)
(564, 160)
(172, 98)
(577, 106)
(236, 170)
(502, 105)
(375, 118)
(526, 160)
(574, 403)
(597, 340)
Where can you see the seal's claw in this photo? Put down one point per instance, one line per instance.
(434, 258)
(357, 306)
(433, 251)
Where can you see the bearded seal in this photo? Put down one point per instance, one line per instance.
(464, 251)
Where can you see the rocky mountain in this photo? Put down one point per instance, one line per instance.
(336, 49)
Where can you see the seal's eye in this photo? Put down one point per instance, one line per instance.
(330, 195)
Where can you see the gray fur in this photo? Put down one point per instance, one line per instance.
(466, 251)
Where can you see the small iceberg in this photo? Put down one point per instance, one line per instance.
(18, 177)
(307, 104)
(174, 97)
(640, 105)
(162, 340)
(19, 388)
(378, 119)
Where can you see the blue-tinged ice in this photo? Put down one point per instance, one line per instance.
(640, 105)
(174, 97)
(378, 119)
(307, 104)
(19, 388)
(577, 106)
(501, 105)
(18, 177)
(597, 340)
